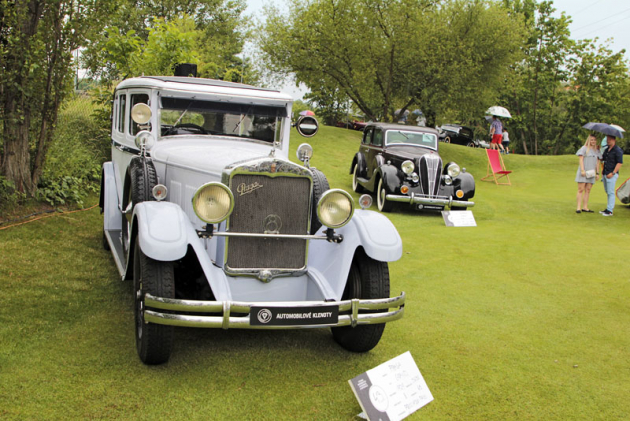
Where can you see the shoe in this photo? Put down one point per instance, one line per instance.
(603, 211)
(607, 213)
(587, 210)
(578, 211)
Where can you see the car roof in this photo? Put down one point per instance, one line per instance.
(394, 126)
(202, 85)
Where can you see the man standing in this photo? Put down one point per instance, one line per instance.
(496, 131)
(612, 160)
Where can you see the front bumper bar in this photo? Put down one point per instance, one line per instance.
(423, 200)
(236, 315)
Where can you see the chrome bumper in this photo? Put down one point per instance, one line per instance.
(423, 200)
(356, 312)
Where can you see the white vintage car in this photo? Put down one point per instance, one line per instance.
(218, 229)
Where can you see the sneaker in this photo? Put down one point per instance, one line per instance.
(607, 213)
(603, 211)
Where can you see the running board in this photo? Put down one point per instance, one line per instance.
(113, 238)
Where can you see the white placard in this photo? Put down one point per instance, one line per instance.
(459, 218)
(392, 391)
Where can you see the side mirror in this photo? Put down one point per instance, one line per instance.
(307, 126)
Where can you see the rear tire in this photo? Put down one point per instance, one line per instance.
(368, 279)
(358, 188)
(447, 139)
(154, 343)
(471, 144)
(381, 201)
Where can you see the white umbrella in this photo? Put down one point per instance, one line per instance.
(499, 112)
(617, 127)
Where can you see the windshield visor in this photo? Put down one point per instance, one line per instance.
(182, 116)
(401, 137)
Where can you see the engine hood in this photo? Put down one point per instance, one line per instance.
(407, 152)
(208, 154)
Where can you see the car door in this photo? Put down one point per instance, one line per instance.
(376, 150)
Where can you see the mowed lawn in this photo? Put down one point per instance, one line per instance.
(525, 316)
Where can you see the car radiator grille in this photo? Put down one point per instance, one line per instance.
(430, 166)
(275, 205)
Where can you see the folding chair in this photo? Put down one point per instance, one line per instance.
(495, 163)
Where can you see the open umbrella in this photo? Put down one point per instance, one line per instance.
(499, 112)
(307, 112)
(604, 128)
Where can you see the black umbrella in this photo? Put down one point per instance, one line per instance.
(603, 128)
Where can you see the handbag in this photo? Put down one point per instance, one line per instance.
(590, 174)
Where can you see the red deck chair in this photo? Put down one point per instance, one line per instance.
(495, 163)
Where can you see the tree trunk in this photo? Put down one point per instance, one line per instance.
(16, 159)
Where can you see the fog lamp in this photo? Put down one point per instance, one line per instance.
(335, 208)
(213, 202)
(448, 180)
(415, 178)
(144, 139)
(459, 194)
(404, 189)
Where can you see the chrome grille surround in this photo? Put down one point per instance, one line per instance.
(430, 168)
(271, 196)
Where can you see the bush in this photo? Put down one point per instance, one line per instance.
(9, 196)
(79, 148)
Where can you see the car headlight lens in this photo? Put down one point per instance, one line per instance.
(407, 167)
(415, 177)
(335, 208)
(448, 180)
(453, 170)
(213, 202)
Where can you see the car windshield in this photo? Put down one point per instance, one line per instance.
(402, 137)
(185, 116)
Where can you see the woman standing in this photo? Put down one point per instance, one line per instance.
(587, 172)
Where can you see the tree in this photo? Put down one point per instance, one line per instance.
(36, 41)
(393, 54)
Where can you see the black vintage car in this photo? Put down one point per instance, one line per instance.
(459, 135)
(402, 164)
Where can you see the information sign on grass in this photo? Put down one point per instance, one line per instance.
(392, 391)
(459, 218)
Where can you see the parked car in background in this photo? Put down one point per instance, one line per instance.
(401, 164)
(216, 228)
(460, 135)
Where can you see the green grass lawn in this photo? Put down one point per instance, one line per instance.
(525, 316)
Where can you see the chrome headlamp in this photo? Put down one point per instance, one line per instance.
(335, 208)
(448, 180)
(407, 167)
(213, 202)
(453, 170)
(144, 139)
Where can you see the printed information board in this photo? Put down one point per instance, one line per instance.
(459, 218)
(392, 391)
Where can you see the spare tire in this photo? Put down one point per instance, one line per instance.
(142, 178)
(320, 185)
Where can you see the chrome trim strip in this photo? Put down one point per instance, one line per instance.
(294, 236)
(226, 320)
(414, 199)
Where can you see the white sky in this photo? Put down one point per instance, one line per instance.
(604, 19)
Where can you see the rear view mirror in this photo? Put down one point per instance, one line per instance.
(307, 126)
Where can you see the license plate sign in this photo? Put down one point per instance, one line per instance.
(293, 316)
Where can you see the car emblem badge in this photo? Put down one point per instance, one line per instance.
(273, 167)
(272, 224)
(244, 189)
(264, 316)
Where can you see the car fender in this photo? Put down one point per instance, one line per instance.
(359, 159)
(389, 174)
(108, 200)
(367, 229)
(162, 229)
(467, 184)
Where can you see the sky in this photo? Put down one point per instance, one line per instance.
(603, 19)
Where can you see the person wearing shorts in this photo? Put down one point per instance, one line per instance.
(496, 131)
(506, 141)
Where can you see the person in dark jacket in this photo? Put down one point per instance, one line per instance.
(611, 164)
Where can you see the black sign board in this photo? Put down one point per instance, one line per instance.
(293, 316)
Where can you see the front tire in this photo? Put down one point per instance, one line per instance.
(381, 201)
(358, 188)
(368, 279)
(320, 185)
(471, 144)
(153, 342)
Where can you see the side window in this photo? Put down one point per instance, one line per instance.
(121, 113)
(367, 136)
(378, 137)
(134, 128)
(115, 113)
